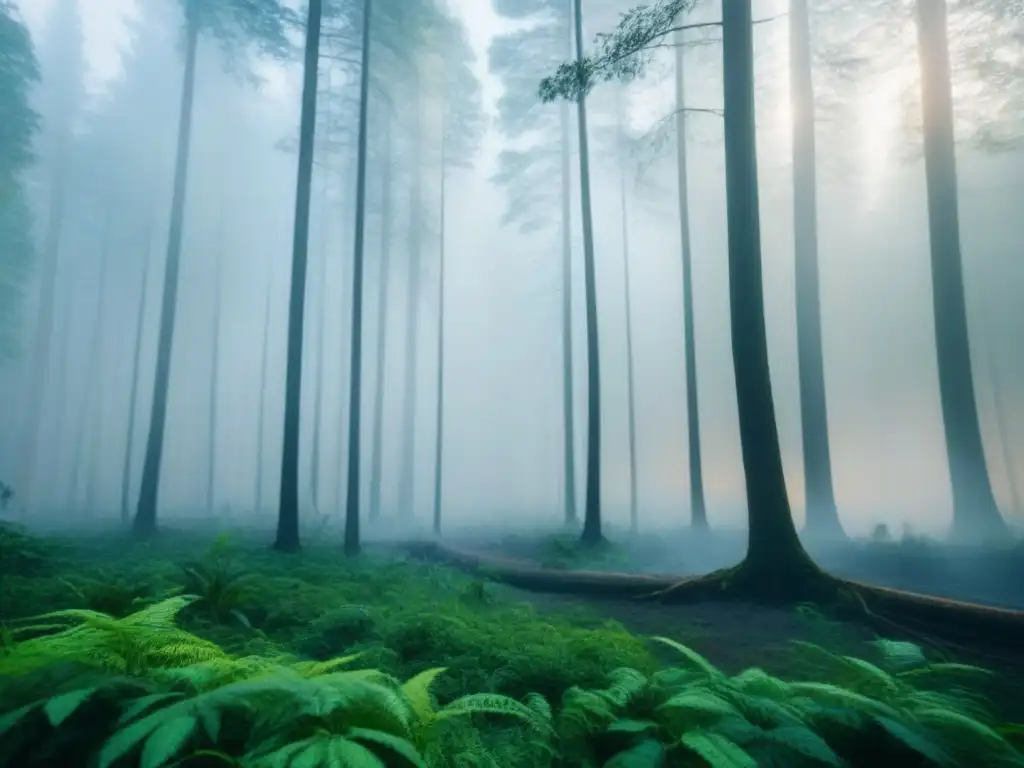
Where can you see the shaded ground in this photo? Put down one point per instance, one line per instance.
(983, 575)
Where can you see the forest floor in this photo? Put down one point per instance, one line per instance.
(405, 616)
(977, 574)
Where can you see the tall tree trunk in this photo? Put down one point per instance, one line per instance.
(318, 384)
(975, 513)
(383, 293)
(356, 363)
(288, 512)
(261, 416)
(592, 512)
(820, 502)
(43, 337)
(407, 478)
(133, 395)
(92, 416)
(439, 439)
(145, 514)
(568, 414)
(698, 510)
(211, 424)
(630, 391)
(776, 560)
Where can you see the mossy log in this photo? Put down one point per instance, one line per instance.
(894, 613)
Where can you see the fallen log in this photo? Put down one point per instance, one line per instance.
(950, 624)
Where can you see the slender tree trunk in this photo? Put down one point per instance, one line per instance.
(630, 391)
(975, 513)
(775, 560)
(1004, 443)
(383, 293)
(61, 407)
(43, 337)
(145, 514)
(698, 510)
(407, 479)
(260, 417)
(356, 364)
(211, 424)
(568, 414)
(288, 511)
(592, 514)
(92, 399)
(133, 395)
(820, 502)
(318, 385)
(439, 443)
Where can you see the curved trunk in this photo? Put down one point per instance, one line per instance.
(592, 510)
(820, 503)
(698, 510)
(356, 363)
(145, 513)
(383, 294)
(975, 513)
(776, 561)
(288, 513)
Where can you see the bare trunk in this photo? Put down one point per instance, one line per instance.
(318, 384)
(356, 364)
(631, 401)
(820, 501)
(92, 399)
(407, 479)
(288, 511)
(975, 513)
(261, 416)
(133, 396)
(383, 294)
(775, 556)
(43, 337)
(592, 511)
(211, 425)
(439, 443)
(698, 510)
(145, 514)
(568, 415)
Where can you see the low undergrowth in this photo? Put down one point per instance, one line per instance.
(235, 656)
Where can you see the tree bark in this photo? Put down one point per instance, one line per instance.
(211, 426)
(356, 383)
(261, 416)
(592, 511)
(568, 414)
(383, 295)
(698, 510)
(820, 503)
(439, 439)
(975, 512)
(145, 513)
(133, 396)
(407, 478)
(288, 513)
(321, 320)
(627, 290)
(776, 562)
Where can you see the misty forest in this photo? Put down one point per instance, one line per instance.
(511, 383)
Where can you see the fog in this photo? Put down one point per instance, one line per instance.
(502, 424)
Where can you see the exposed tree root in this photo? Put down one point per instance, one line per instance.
(964, 628)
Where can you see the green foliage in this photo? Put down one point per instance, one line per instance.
(219, 584)
(486, 682)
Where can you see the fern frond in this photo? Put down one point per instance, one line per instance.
(693, 657)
